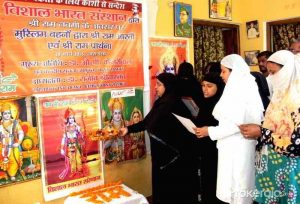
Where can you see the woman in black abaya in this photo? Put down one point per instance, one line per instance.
(212, 86)
(170, 145)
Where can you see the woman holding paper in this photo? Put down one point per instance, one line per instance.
(170, 145)
(239, 104)
(207, 154)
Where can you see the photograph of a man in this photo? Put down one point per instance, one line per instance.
(252, 29)
(183, 20)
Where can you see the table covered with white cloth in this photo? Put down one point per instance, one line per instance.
(107, 197)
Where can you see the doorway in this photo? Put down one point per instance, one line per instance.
(281, 33)
(213, 41)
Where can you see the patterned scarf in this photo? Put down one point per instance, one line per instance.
(283, 113)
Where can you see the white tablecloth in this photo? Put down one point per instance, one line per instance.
(135, 198)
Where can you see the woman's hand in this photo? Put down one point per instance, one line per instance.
(250, 131)
(123, 131)
(201, 132)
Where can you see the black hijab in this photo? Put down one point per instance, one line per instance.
(205, 114)
(164, 104)
(168, 80)
(214, 77)
(185, 70)
(187, 83)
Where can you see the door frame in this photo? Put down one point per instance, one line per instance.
(222, 25)
(277, 22)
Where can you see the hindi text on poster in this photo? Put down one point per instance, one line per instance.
(61, 45)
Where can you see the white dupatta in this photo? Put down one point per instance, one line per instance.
(240, 92)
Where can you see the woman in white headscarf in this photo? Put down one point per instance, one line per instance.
(278, 161)
(240, 103)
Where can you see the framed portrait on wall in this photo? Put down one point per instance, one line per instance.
(182, 20)
(251, 57)
(220, 9)
(252, 29)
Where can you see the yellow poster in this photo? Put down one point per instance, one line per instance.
(71, 160)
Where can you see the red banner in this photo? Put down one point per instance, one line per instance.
(58, 46)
